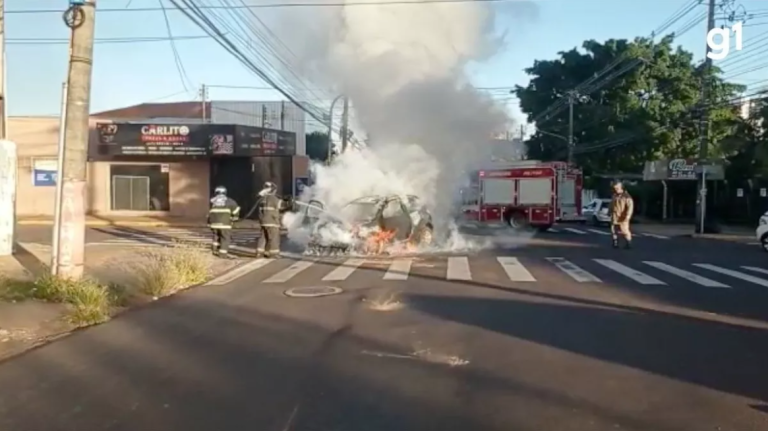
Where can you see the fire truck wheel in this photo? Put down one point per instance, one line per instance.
(518, 221)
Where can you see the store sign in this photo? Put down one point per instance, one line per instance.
(129, 139)
(682, 169)
(45, 173)
(255, 141)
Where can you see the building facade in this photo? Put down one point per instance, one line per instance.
(156, 160)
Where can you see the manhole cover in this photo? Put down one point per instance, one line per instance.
(312, 291)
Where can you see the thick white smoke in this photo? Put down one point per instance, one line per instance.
(403, 67)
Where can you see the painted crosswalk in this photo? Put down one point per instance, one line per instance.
(523, 270)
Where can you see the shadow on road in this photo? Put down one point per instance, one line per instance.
(723, 357)
(192, 363)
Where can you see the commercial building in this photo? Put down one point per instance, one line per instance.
(158, 159)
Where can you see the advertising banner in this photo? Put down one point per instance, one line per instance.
(255, 141)
(136, 139)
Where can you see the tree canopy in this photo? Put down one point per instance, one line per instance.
(646, 107)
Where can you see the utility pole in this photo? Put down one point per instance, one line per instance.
(3, 113)
(282, 115)
(204, 102)
(81, 17)
(704, 126)
(571, 99)
(264, 123)
(345, 125)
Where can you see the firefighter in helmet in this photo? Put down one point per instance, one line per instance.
(268, 210)
(222, 215)
(621, 209)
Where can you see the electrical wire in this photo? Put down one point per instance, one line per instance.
(600, 80)
(274, 6)
(183, 78)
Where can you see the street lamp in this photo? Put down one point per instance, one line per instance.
(330, 126)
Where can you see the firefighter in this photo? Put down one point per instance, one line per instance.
(621, 210)
(223, 213)
(268, 210)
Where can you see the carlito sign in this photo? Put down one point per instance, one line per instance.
(129, 139)
(682, 169)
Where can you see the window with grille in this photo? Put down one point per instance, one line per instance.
(139, 188)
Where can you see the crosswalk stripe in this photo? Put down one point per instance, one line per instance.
(653, 235)
(343, 272)
(703, 281)
(570, 229)
(290, 272)
(756, 269)
(398, 269)
(458, 269)
(600, 232)
(514, 269)
(239, 272)
(734, 274)
(626, 271)
(575, 272)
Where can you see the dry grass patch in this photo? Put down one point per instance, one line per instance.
(159, 273)
(89, 301)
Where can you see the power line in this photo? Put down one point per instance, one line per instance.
(106, 40)
(176, 57)
(272, 6)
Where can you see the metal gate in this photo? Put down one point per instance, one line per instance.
(130, 193)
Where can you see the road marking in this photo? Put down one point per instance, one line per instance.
(703, 281)
(734, 274)
(653, 235)
(343, 272)
(458, 269)
(553, 230)
(575, 272)
(600, 232)
(514, 269)
(290, 272)
(239, 272)
(626, 271)
(398, 269)
(756, 269)
(570, 229)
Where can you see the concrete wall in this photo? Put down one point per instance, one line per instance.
(37, 138)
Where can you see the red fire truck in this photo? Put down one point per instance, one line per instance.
(524, 194)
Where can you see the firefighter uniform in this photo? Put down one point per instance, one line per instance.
(268, 210)
(223, 213)
(622, 207)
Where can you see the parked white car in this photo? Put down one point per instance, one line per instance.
(762, 231)
(596, 212)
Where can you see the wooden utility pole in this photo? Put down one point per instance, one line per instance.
(71, 255)
(3, 113)
(345, 126)
(701, 208)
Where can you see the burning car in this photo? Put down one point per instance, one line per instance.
(369, 225)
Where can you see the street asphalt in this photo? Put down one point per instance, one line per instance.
(556, 332)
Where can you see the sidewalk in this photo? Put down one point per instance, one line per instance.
(100, 221)
(683, 230)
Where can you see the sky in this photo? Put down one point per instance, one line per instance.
(137, 71)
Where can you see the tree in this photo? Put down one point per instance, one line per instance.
(317, 146)
(645, 108)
